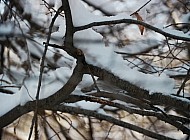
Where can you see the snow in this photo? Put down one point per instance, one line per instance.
(172, 31)
(85, 105)
(185, 18)
(96, 54)
(86, 81)
(140, 46)
(99, 55)
(6, 29)
(2, 5)
(32, 7)
(83, 16)
(98, 3)
(8, 102)
(61, 31)
(9, 29)
(52, 82)
(95, 51)
(175, 32)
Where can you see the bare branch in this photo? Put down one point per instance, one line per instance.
(140, 8)
(74, 110)
(173, 120)
(131, 21)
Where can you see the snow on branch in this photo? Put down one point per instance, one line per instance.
(145, 91)
(179, 35)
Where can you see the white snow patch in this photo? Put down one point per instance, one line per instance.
(99, 55)
(7, 28)
(83, 16)
(50, 84)
(85, 105)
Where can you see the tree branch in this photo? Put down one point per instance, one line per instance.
(139, 93)
(173, 120)
(15, 113)
(131, 21)
(69, 24)
(74, 110)
(52, 100)
(67, 89)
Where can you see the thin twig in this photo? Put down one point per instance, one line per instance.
(42, 69)
(51, 127)
(140, 8)
(70, 123)
(162, 115)
(184, 82)
(91, 132)
(110, 119)
(188, 24)
(185, 4)
(94, 80)
(109, 131)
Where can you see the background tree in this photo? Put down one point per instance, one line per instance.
(88, 69)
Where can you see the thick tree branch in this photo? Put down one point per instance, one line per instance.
(139, 93)
(67, 89)
(69, 24)
(15, 113)
(136, 93)
(52, 100)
